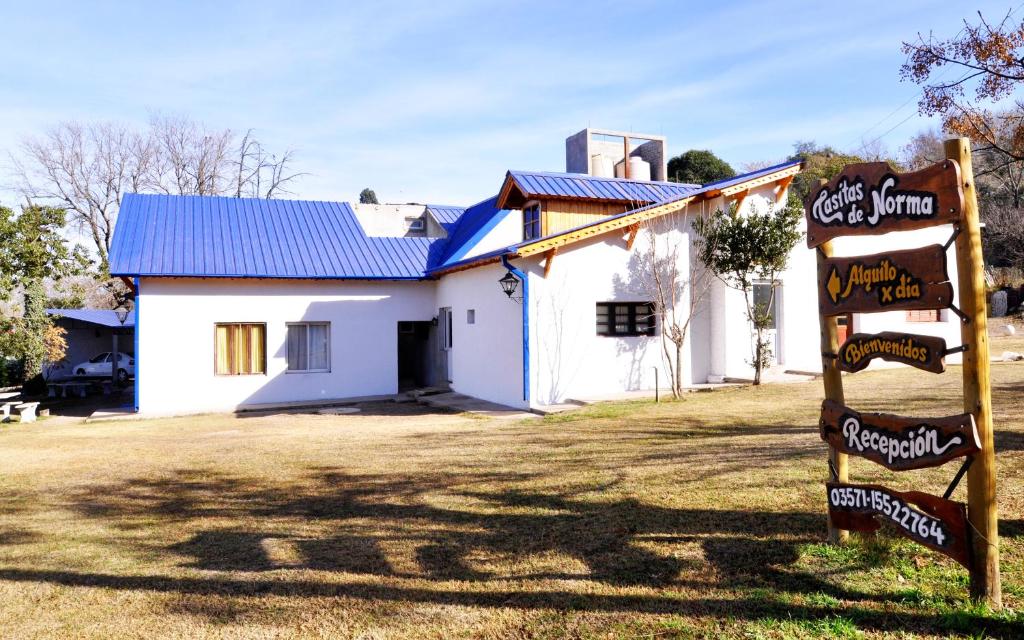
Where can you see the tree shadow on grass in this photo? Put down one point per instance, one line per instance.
(450, 520)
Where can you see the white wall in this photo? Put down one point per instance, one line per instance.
(731, 335)
(570, 359)
(175, 366)
(486, 356)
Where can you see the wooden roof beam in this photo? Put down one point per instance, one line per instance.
(770, 178)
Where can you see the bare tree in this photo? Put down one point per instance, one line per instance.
(87, 169)
(675, 282)
(923, 149)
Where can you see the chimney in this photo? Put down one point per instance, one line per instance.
(606, 154)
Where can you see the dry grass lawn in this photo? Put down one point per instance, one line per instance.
(702, 518)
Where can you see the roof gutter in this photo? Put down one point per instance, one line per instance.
(526, 326)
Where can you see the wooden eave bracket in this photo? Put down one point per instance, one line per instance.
(634, 231)
(740, 197)
(782, 186)
(549, 258)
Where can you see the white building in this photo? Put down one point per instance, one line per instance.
(244, 302)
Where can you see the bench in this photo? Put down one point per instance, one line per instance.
(27, 411)
(62, 388)
(5, 410)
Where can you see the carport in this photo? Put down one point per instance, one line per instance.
(91, 332)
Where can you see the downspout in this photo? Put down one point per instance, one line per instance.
(136, 354)
(526, 326)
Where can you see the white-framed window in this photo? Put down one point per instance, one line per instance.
(308, 347)
(531, 220)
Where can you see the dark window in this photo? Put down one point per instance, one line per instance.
(531, 221)
(625, 319)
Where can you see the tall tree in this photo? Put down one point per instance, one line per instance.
(32, 251)
(987, 64)
(87, 168)
(741, 249)
(698, 166)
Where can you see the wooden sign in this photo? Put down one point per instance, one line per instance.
(909, 279)
(869, 198)
(924, 352)
(936, 523)
(896, 442)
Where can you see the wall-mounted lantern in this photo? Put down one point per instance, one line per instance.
(122, 315)
(509, 283)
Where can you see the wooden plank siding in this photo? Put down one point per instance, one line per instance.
(562, 215)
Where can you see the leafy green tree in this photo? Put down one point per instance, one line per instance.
(698, 166)
(741, 249)
(367, 196)
(32, 250)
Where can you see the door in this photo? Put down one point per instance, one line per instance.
(768, 297)
(444, 335)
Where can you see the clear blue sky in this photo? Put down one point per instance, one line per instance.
(433, 101)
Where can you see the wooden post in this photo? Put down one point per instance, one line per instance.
(833, 379)
(981, 479)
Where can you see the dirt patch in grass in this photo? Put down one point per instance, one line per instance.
(700, 518)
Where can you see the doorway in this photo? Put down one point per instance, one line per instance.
(414, 355)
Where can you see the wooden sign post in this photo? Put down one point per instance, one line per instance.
(870, 199)
(981, 478)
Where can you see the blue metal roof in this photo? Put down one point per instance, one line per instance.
(103, 317)
(455, 260)
(577, 185)
(444, 214)
(471, 227)
(160, 235)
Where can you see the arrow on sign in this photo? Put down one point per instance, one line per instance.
(835, 285)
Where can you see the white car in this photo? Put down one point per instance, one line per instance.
(99, 366)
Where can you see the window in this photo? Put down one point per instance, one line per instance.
(241, 349)
(763, 299)
(924, 315)
(470, 316)
(625, 319)
(309, 346)
(103, 357)
(531, 221)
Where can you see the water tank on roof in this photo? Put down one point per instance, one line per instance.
(639, 169)
(601, 166)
